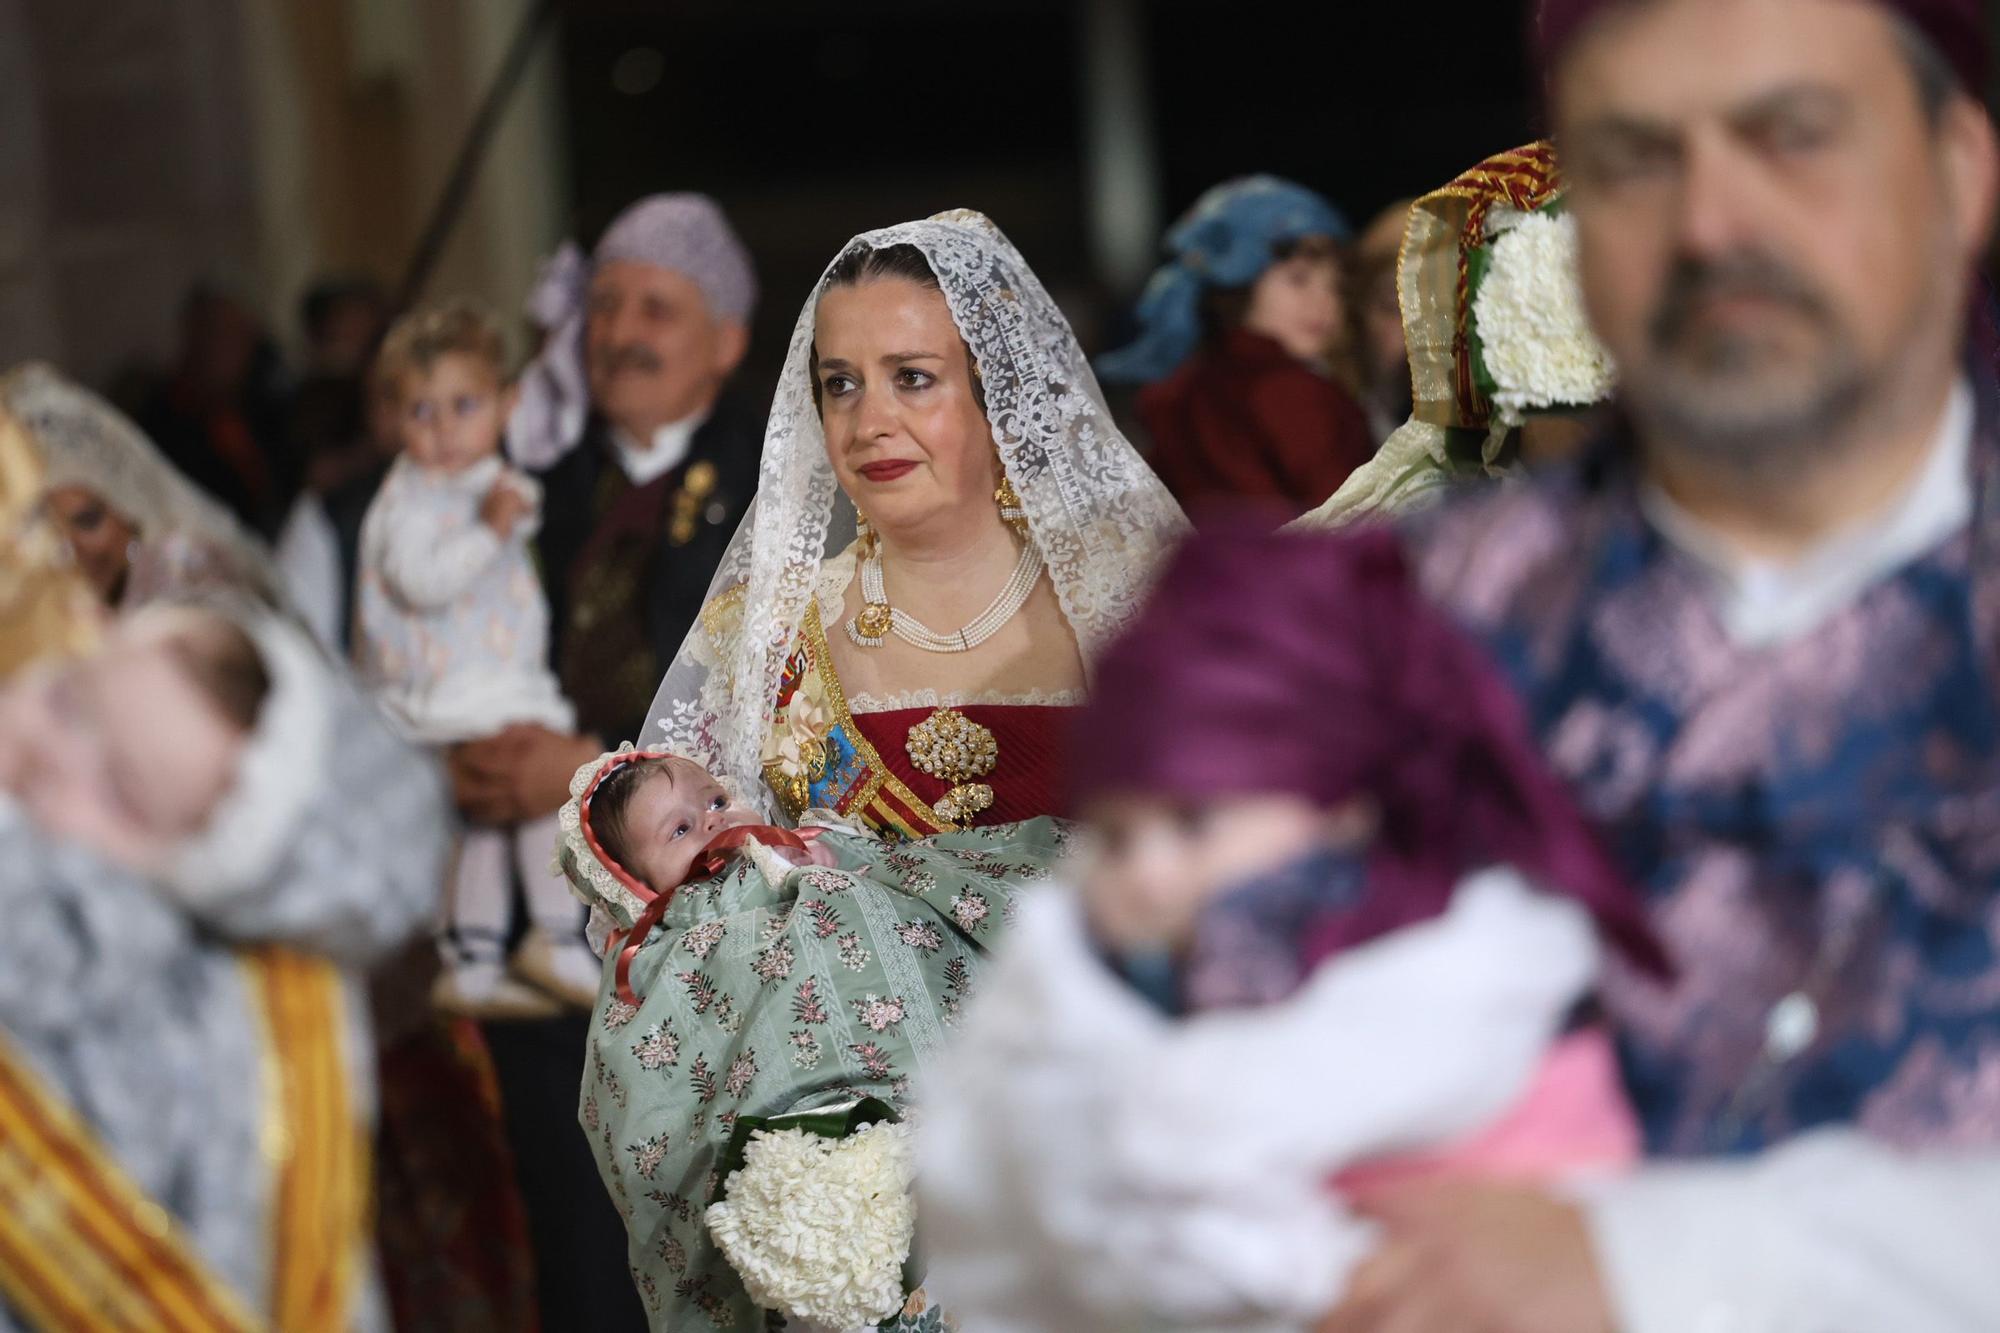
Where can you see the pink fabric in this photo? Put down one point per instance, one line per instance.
(1574, 1119)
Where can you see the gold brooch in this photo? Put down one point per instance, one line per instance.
(696, 486)
(951, 747)
(872, 624)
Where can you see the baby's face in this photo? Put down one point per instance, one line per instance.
(121, 752)
(671, 818)
(453, 414)
(1155, 863)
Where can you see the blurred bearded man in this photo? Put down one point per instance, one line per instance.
(647, 463)
(1759, 630)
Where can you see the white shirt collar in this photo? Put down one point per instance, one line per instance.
(647, 463)
(1766, 602)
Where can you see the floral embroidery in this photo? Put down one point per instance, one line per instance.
(741, 1071)
(607, 1079)
(674, 1255)
(660, 1047)
(618, 1013)
(922, 936)
(957, 985)
(727, 1017)
(877, 1014)
(920, 882)
(822, 880)
(874, 1060)
(701, 940)
(807, 1007)
(702, 1079)
(805, 1049)
(672, 1203)
(826, 921)
(701, 990)
(694, 1290)
(970, 909)
(853, 953)
(774, 963)
(591, 1119)
(647, 1156)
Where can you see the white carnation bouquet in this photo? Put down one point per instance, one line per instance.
(1533, 345)
(821, 1227)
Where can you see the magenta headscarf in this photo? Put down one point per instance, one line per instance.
(1311, 665)
(1956, 27)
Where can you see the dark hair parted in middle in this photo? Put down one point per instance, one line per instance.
(906, 263)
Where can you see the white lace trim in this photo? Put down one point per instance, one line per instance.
(901, 699)
(1101, 518)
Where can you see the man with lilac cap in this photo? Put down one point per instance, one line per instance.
(1758, 630)
(647, 462)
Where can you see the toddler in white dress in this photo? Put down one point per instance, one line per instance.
(452, 632)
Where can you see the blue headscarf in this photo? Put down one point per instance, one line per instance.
(1227, 239)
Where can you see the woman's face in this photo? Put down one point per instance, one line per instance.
(1297, 304)
(99, 537)
(907, 437)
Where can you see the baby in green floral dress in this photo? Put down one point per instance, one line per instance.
(802, 982)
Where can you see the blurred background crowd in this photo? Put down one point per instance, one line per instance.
(213, 211)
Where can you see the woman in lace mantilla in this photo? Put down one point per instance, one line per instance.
(915, 679)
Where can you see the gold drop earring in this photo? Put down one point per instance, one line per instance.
(870, 626)
(1011, 512)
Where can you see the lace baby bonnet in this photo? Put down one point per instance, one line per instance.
(1102, 520)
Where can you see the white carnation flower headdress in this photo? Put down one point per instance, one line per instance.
(1494, 323)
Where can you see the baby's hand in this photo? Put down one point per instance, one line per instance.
(814, 854)
(504, 507)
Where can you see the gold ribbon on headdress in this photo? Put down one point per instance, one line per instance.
(45, 608)
(1433, 277)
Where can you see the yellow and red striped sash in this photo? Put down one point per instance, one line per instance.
(83, 1248)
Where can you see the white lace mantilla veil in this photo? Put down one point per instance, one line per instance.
(85, 441)
(1102, 520)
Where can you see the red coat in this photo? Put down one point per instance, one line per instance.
(1243, 419)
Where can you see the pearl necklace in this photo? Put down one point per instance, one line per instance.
(878, 619)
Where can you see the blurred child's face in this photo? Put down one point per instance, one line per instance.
(1297, 304)
(1155, 864)
(452, 414)
(671, 818)
(122, 752)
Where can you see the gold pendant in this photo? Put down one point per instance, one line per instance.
(871, 627)
(962, 802)
(951, 747)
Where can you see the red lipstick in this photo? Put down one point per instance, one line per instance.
(887, 469)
